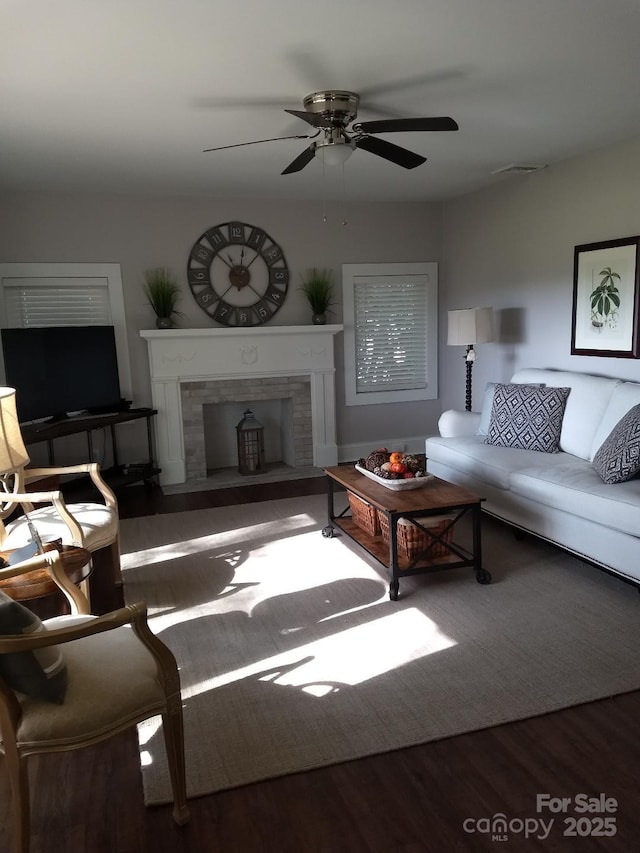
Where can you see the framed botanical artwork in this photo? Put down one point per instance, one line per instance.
(606, 309)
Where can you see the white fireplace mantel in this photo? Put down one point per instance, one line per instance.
(190, 355)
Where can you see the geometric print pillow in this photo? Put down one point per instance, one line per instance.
(618, 457)
(526, 417)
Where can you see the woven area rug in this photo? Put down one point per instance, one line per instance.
(292, 656)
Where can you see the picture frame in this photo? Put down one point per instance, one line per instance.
(606, 299)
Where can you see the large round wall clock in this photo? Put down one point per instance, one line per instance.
(238, 275)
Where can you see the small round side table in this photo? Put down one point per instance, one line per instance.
(39, 583)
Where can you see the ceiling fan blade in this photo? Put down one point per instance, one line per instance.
(315, 119)
(400, 156)
(399, 125)
(214, 103)
(301, 160)
(431, 78)
(256, 142)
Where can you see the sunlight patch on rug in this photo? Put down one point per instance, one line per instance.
(292, 656)
(347, 657)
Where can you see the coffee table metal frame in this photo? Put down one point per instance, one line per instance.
(436, 498)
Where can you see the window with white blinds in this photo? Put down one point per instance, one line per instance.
(66, 294)
(390, 320)
(55, 303)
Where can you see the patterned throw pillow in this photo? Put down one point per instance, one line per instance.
(618, 457)
(487, 404)
(527, 418)
(41, 674)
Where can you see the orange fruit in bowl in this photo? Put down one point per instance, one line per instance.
(396, 456)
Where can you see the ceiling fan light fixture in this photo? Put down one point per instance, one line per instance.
(334, 152)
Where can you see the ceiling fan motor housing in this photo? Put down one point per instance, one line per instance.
(340, 106)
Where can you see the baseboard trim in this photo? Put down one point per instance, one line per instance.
(353, 452)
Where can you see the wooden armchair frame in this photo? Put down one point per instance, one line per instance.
(106, 559)
(12, 710)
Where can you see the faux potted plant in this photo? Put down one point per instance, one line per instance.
(163, 292)
(317, 286)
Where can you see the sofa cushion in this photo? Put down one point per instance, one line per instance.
(527, 418)
(618, 458)
(625, 396)
(574, 487)
(486, 463)
(587, 403)
(42, 673)
(487, 405)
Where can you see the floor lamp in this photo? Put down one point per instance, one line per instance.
(467, 327)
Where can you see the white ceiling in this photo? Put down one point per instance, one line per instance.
(123, 95)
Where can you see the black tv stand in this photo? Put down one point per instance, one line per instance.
(118, 474)
(112, 409)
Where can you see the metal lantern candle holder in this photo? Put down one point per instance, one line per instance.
(250, 444)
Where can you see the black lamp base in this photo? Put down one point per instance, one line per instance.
(469, 363)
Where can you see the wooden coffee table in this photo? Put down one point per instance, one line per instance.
(436, 497)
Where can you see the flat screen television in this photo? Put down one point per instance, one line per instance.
(62, 369)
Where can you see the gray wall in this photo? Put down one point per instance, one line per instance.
(512, 247)
(142, 232)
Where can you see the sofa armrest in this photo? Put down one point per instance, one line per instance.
(453, 423)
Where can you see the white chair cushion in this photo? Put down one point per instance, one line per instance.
(98, 523)
(111, 681)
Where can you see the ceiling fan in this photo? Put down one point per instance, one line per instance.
(332, 112)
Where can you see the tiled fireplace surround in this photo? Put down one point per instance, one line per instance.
(192, 368)
(196, 395)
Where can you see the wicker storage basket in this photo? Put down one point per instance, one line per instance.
(364, 515)
(412, 540)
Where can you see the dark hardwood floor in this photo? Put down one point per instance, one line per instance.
(410, 800)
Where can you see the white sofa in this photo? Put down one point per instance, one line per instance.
(557, 496)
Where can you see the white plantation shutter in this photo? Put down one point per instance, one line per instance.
(391, 332)
(66, 294)
(53, 303)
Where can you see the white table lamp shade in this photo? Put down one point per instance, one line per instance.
(13, 453)
(470, 326)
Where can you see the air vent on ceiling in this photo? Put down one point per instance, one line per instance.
(520, 168)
